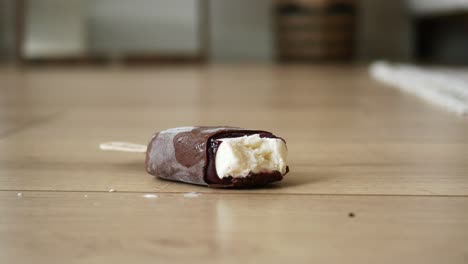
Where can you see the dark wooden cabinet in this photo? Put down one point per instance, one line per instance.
(315, 30)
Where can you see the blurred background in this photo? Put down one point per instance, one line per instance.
(204, 31)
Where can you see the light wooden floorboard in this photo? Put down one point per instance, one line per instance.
(51, 227)
(399, 164)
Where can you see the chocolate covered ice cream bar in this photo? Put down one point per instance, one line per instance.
(217, 156)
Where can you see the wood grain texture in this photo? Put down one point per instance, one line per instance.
(346, 133)
(51, 227)
(399, 164)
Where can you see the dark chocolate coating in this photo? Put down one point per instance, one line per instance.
(188, 154)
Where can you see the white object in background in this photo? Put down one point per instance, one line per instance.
(444, 87)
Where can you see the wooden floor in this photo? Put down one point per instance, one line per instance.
(376, 176)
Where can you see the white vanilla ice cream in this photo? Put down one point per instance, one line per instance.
(239, 156)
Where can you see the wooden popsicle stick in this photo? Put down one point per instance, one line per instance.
(123, 146)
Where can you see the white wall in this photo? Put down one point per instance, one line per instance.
(241, 30)
(54, 28)
(110, 27)
(163, 26)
